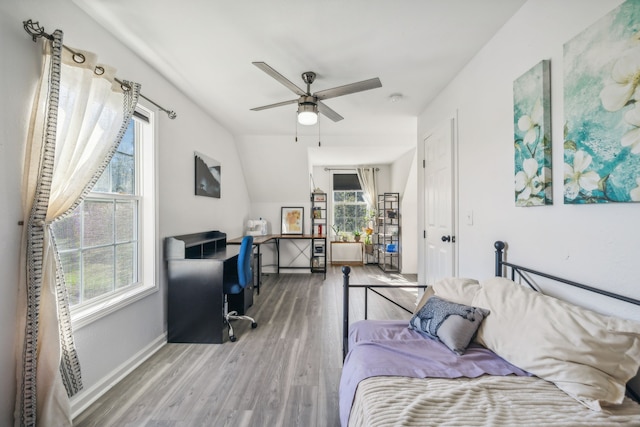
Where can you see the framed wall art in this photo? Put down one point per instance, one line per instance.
(292, 220)
(207, 176)
(532, 136)
(602, 110)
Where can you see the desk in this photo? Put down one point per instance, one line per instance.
(195, 299)
(275, 238)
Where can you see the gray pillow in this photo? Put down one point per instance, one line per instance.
(448, 322)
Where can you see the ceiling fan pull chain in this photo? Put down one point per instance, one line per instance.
(319, 130)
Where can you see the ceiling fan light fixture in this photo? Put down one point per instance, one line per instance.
(307, 113)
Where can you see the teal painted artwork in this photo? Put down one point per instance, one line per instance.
(532, 136)
(602, 110)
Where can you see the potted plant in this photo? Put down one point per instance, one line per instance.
(356, 236)
(336, 231)
(368, 244)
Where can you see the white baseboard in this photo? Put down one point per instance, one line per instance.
(82, 400)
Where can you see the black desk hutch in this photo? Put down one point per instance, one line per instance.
(196, 267)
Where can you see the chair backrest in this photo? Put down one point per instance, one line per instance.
(244, 261)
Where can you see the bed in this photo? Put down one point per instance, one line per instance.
(490, 353)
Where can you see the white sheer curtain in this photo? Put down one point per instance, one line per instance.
(367, 178)
(78, 118)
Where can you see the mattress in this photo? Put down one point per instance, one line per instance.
(483, 401)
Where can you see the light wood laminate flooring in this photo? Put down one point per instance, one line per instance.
(284, 373)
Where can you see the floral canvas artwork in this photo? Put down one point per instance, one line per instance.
(602, 112)
(532, 136)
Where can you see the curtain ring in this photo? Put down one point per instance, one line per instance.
(99, 70)
(125, 87)
(78, 57)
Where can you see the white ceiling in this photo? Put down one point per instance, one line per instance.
(206, 47)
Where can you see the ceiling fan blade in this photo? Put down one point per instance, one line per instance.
(329, 112)
(350, 88)
(278, 104)
(279, 77)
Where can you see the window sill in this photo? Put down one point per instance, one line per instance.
(88, 314)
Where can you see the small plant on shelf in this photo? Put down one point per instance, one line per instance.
(336, 231)
(368, 231)
(356, 236)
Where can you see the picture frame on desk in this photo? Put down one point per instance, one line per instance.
(292, 220)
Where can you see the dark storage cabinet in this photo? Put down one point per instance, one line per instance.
(195, 306)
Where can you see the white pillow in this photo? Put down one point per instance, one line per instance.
(457, 289)
(587, 355)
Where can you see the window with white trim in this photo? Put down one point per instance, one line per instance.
(107, 244)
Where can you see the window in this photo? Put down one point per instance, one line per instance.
(106, 244)
(349, 211)
(349, 207)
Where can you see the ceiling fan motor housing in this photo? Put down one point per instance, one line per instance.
(308, 77)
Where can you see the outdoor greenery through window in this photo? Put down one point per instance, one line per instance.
(99, 242)
(349, 211)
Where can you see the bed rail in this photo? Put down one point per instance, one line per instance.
(346, 270)
(503, 268)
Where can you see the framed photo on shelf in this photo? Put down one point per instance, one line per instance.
(292, 220)
(319, 197)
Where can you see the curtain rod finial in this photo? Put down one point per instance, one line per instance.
(172, 114)
(35, 30)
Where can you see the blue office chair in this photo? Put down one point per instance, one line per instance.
(245, 276)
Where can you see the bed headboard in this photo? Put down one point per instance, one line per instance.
(507, 269)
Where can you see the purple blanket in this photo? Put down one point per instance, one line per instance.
(390, 348)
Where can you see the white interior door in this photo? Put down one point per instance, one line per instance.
(439, 203)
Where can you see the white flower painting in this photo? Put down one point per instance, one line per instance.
(532, 137)
(602, 110)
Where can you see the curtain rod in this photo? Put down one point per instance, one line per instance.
(36, 31)
(346, 169)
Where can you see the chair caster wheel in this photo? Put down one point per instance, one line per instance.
(232, 338)
(254, 325)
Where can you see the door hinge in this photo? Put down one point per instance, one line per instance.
(424, 163)
(424, 234)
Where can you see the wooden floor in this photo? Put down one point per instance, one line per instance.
(284, 373)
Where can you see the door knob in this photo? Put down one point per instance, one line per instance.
(446, 238)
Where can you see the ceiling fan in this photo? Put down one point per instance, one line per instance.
(310, 104)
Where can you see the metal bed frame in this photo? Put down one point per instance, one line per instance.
(346, 286)
(516, 270)
(502, 269)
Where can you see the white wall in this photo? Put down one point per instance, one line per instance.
(114, 342)
(404, 179)
(596, 244)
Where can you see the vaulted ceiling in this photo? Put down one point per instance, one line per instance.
(206, 49)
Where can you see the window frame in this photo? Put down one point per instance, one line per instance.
(147, 224)
(333, 204)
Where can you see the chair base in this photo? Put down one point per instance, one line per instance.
(233, 315)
